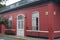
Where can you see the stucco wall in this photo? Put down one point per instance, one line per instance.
(45, 21)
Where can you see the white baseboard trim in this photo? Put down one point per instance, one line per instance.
(42, 31)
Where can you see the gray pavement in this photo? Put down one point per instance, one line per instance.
(28, 38)
(6, 38)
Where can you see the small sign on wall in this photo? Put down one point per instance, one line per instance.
(54, 13)
(46, 13)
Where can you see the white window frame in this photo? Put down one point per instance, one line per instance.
(38, 20)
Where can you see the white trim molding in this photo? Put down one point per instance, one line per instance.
(20, 14)
(36, 31)
(42, 31)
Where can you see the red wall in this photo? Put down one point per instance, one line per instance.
(45, 21)
(54, 19)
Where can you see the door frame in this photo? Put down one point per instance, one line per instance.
(17, 22)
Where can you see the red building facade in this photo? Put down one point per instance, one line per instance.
(31, 18)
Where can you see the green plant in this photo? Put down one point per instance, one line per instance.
(4, 21)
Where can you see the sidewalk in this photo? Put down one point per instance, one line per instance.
(13, 37)
(23, 38)
(29, 38)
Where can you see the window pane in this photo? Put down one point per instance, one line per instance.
(34, 23)
(20, 17)
(35, 16)
(20, 24)
(10, 24)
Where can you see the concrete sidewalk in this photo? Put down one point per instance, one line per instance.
(22, 38)
(30, 38)
(12, 37)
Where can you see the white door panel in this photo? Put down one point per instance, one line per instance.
(20, 26)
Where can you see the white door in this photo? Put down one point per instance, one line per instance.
(20, 25)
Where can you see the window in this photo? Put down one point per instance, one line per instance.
(35, 18)
(10, 22)
(20, 24)
(20, 17)
(20, 21)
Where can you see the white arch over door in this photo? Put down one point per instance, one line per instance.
(20, 25)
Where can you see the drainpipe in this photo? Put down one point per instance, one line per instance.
(50, 33)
